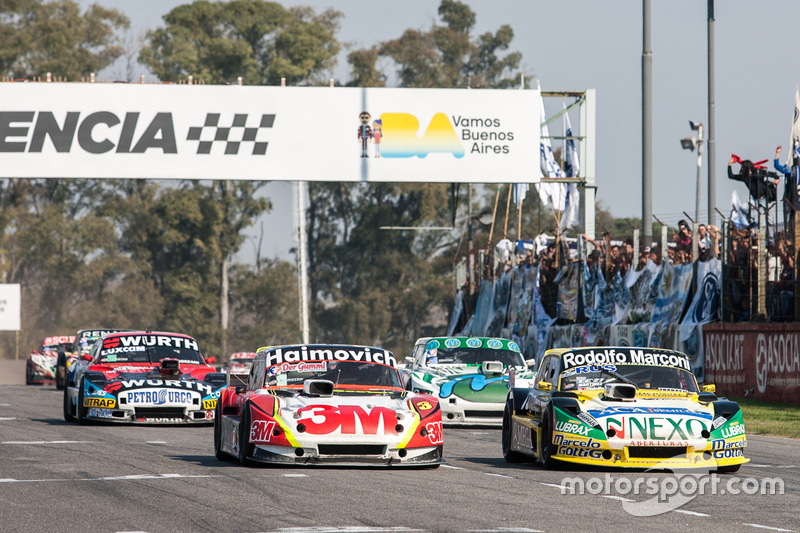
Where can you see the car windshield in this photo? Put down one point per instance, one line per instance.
(471, 356)
(373, 375)
(242, 361)
(651, 377)
(149, 354)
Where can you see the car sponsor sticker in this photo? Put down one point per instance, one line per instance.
(304, 353)
(100, 413)
(630, 356)
(434, 432)
(311, 366)
(209, 404)
(100, 402)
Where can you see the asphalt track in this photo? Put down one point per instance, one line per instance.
(56, 476)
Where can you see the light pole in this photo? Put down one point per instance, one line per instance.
(690, 143)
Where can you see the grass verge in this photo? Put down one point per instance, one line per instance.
(768, 418)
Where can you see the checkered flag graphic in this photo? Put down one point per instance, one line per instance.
(233, 136)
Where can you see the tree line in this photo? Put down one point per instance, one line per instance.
(144, 254)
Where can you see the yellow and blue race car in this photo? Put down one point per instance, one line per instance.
(622, 407)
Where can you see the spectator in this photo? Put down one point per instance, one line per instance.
(684, 237)
(754, 175)
(791, 184)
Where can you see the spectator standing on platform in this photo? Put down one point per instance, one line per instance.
(791, 183)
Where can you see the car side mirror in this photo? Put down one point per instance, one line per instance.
(240, 389)
(530, 363)
(86, 357)
(709, 388)
(210, 360)
(544, 386)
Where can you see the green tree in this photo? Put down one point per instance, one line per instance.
(217, 42)
(37, 37)
(444, 56)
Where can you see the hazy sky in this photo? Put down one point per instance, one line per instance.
(592, 44)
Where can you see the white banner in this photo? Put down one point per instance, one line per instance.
(83, 130)
(10, 306)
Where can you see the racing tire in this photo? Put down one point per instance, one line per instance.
(61, 372)
(547, 452)
(246, 449)
(79, 409)
(508, 454)
(28, 373)
(218, 453)
(728, 469)
(68, 416)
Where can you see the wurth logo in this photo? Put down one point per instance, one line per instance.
(103, 132)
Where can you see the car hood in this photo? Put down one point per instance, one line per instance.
(463, 381)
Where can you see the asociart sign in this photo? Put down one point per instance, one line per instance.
(77, 130)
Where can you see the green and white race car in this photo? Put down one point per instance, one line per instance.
(469, 375)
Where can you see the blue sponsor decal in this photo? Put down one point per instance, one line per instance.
(514, 346)
(159, 397)
(494, 344)
(648, 411)
(452, 343)
(474, 343)
(432, 345)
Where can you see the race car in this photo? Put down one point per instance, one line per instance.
(469, 375)
(622, 407)
(81, 345)
(239, 368)
(327, 404)
(41, 365)
(143, 377)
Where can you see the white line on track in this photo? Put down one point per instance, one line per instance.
(47, 442)
(453, 467)
(553, 485)
(499, 475)
(691, 513)
(111, 478)
(7, 418)
(295, 475)
(5, 405)
(156, 442)
(759, 526)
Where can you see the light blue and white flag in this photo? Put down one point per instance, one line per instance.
(553, 195)
(571, 216)
(738, 212)
(520, 192)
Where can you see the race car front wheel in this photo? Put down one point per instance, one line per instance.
(29, 373)
(218, 453)
(508, 454)
(547, 447)
(61, 372)
(80, 410)
(245, 448)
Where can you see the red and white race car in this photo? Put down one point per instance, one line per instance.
(41, 365)
(239, 368)
(327, 404)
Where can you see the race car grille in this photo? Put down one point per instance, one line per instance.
(159, 412)
(656, 452)
(483, 414)
(352, 449)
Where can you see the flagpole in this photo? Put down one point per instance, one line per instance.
(508, 206)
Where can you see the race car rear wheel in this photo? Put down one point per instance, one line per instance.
(245, 447)
(547, 448)
(508, 454)
(218, 453)
(61, 371)
(68, 416)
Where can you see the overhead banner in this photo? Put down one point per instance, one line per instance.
(86, 130)
(10, 307)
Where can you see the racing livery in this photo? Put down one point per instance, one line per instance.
(327, 404)
(81, 345)
(622, 407)
(41, 365)
(143, 377)
(239, 368)
(469, 375)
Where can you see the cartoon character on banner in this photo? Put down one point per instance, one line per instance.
(364, 132)
(377, 133)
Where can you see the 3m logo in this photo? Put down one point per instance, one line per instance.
(100, 402)
(351, 419)
(261, 431)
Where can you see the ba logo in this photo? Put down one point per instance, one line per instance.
(452, 343)
(474, 343)
(494, 344)
(111, 343)
(400, 136)
(432, 345)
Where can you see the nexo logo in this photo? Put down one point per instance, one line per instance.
(103, 131)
